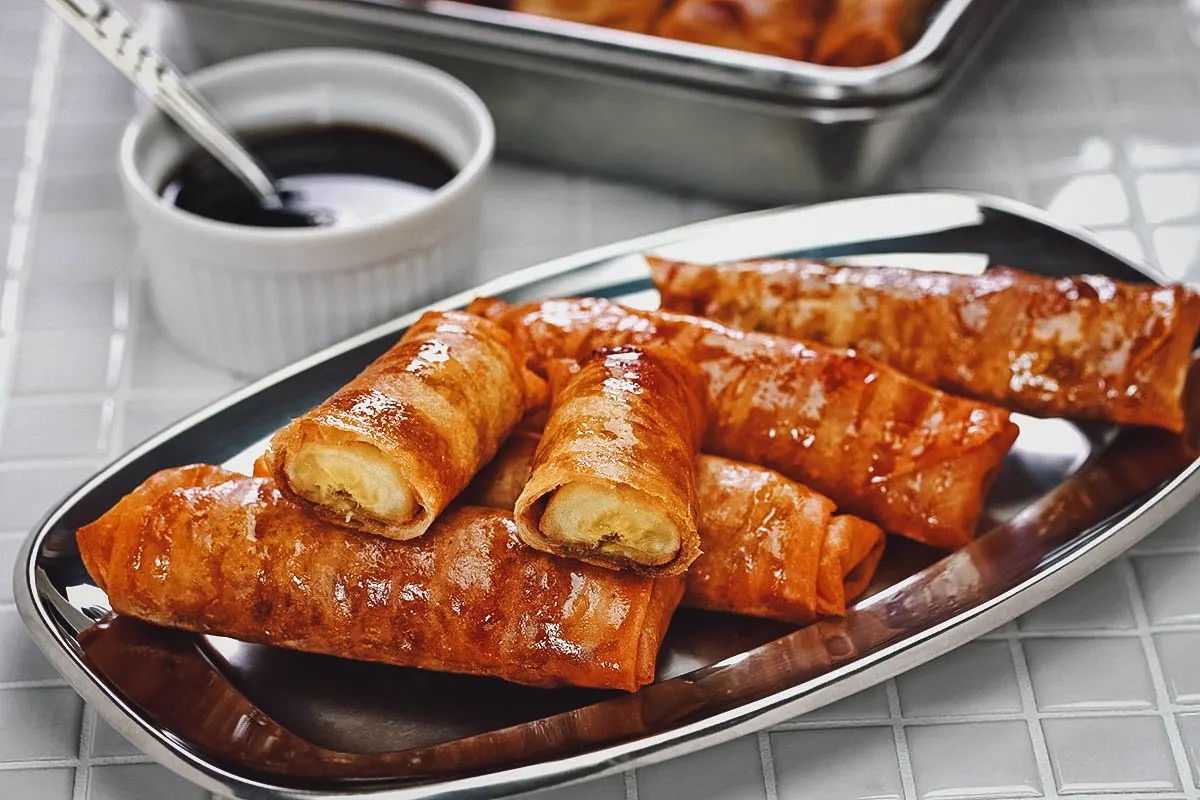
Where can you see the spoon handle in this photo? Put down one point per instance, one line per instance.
(115, 37)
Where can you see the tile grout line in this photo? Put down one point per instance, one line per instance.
(1037, 737)
(149, 393)
(134, 275)
(1161, 695)
(767, 762)
(41, 99)
(42, 683)
(1098, 85)
(72, 763)
(87, 739)
(908, 782)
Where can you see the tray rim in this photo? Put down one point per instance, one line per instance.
(916, 72)
(1119, 534)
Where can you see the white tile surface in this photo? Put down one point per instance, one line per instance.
(1169, 586)
(731, 771)
(1180, 532)
(1169, 196)
(1114, 754)
(14, 96)
(145, 417)
(92, 95)
(870, 704)
(75, 192)
(26, 493)
(20, 661)
(1189, 729)
(1179, 657)
(83, 144)
(122, 781)
(12, 146)
(59, 429)
(81, 246)
(973, 759)
(1066, 678)
(159, 364)
(89, 304)
(107, 742)
(816, 764)
(1098, 602)
(1162, 141)
(1083, 199)
(39, 723)
(42, 784)
(611, 788)
(1177, 248)
(9, 545)
(977, 678)
(56, 361)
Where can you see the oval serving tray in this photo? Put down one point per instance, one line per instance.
(251, 721)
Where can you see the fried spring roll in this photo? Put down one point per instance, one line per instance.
(628, 15)
(613, 481)
(207, 550)
(785, 28)
(774, 548)
(860, 33)
(771, 547)
(1086, 347)
(390, 450)
(881, 445)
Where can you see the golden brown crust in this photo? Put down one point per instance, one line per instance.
(771, 547)
(774, 548)
(432, 410)
(860, 33)
(883, 446)
(628, 422)
(499, 483)
(207, 550)
(629, 15)
(1086, 347)
(785, 28)
(850, 555)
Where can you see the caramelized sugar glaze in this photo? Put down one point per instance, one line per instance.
(916, 460)
(1086, 347)
(207, 550)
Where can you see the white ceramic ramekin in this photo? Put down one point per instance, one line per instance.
(254, 299)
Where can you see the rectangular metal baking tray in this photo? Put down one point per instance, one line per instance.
(747, 127)
(256, 722)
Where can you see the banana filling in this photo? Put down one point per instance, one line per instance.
(353, 479)
(610, 520)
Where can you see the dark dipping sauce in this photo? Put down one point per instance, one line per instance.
(328, 176)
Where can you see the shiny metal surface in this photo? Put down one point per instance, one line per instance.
(635, 106)
(257, 722)
(113, 35)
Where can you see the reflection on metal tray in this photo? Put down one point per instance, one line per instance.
(743, 126)
(251, 721)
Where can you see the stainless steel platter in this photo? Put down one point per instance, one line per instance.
(256, 722)
(748, 127)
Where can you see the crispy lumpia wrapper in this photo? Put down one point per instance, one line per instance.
(881, 445)
(389, 450)
(204, 549)
(785, 28)
(1086, 347)
(859, 33)
(638, 16)
(771, 547)
(613, 480)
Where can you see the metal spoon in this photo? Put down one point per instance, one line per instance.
(115, 37)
